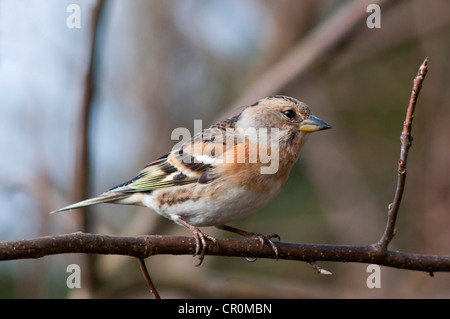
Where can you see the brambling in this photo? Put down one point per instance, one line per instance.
(223, 173)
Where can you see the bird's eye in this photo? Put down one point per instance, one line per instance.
(289, 113)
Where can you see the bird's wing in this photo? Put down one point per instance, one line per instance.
(195, 161)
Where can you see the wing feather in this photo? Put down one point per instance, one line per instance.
(193, 162)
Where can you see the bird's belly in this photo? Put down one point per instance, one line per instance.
(205, 210)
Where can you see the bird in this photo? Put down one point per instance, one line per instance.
(225, 172)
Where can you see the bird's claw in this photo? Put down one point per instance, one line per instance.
(266, 239)
(258, 236)
(200, 244)
(200, 238)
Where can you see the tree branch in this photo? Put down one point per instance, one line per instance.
(145, 246)
(82, 169)
(82, 165)
(406, 142)
(149, 281)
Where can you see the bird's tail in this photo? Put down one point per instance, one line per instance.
(107, 197)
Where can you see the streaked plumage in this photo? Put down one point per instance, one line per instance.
(215, 177)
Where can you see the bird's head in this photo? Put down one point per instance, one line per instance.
(292, 118)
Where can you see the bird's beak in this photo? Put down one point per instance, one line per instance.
(313, 124)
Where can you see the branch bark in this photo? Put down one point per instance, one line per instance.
(145, 246)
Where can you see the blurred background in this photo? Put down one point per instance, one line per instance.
(158, 65)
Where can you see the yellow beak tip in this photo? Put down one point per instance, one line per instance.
(314, 124)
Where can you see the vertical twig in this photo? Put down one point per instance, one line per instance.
(148, 279)
(406, 142)
(82, 167)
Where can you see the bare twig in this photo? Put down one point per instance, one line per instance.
(406, 142)
(319, 269)
(82, 166)
(148, 279)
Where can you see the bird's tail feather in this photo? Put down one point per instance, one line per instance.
(107, 197)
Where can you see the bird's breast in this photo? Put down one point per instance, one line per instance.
(209, 205)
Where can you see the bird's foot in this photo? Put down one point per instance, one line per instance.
(252, 235)
(266, 239)
(200, 239)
